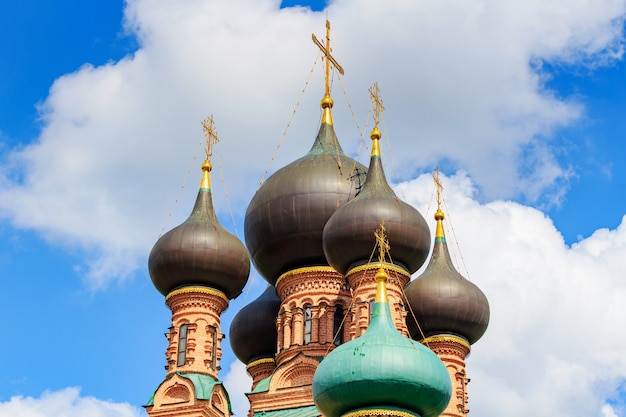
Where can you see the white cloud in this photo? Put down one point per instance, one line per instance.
(461, 82)
(554, 346)
(607, 411)
(237, 383)
(65, 403)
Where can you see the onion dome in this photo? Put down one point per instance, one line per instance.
(253, 330)
(200, 251)
(286, 217)
(381, 370)
(443, 301)
(348, 238)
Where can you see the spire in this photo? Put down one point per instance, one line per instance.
(327, 102)
(210, 133)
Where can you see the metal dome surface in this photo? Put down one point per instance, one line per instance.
(286, 217)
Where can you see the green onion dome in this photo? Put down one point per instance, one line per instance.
(348, 237)
(253, 332)
(443, 301)
(381, 370)
(200, 251)
(286, 217)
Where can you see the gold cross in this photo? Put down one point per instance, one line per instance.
(381, 241)
(329, 58)
(208, 126)
(439, 187)
(377, 102)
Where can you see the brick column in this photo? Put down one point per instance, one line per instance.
(453, 350)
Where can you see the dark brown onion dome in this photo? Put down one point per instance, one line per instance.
(200, 251)
(349, 233)
(443, 301)
(285, 219)
(253, 332)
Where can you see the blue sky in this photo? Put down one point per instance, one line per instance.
(526, 115)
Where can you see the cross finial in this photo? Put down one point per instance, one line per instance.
(381, 275)
(377, 102)
(439, 187)
(208, 126)
(381, 241)
(328, 60)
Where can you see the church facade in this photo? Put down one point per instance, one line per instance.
(311, 231)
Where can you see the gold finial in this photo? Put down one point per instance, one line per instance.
(381, 275)
(377, 103)
(210, 133)
(439, 216)
(327, 102)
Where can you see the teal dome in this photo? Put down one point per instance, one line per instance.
(382, 369)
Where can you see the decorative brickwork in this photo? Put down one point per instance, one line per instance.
(307, 326)
(361, 279)
(193, 348)
(199, 309)
(176, 398)
(318, 292)
(453, 350)
(260, 369)
(289, 387)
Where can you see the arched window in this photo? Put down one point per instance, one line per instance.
(214, 350)
(307, 324)
(182, 345)
(338, 326)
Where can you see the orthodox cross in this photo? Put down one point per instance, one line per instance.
(329, 58)
(439, 187)
(208, 126)
(381, 241)
(377, 102)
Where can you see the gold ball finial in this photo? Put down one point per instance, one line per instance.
(381, 275)
(439, 215)
(375, 135)
(327, 102)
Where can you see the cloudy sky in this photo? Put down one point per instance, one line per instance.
(521, 104)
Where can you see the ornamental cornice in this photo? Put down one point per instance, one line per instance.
(376, 265)
(312, 280)
(197, 290)
(308, 270)
(198, 297)
(260, 362)
(374, 412)
(448, 343)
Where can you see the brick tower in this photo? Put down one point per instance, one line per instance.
(198, 266)
(450, 314)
